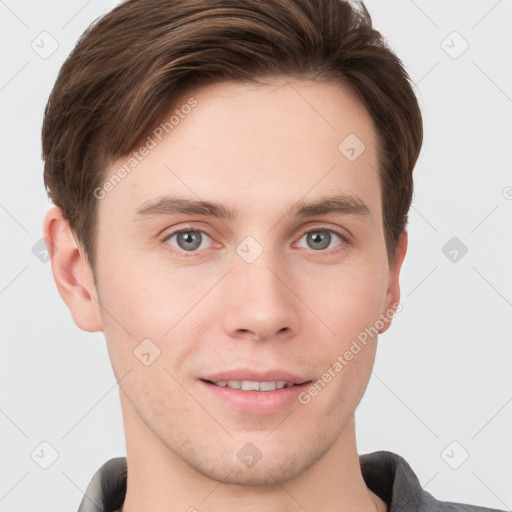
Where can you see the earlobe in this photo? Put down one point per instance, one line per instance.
(393, 290)
(72, 272)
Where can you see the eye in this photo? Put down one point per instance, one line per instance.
(322, 238)
(188, 240)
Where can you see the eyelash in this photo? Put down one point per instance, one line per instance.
(187, 254)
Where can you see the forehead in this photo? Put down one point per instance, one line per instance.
(244, 144)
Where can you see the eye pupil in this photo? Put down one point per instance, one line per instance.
(320, 236)
(187, 238)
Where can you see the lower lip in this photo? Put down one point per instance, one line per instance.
(256, 402)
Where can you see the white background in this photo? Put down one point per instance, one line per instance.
(443, 371)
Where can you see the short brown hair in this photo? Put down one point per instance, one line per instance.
(129, 65)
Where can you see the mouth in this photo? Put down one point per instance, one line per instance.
(254, 385)
(256, 393)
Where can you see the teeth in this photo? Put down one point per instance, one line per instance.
(252, 385)
(268, 386)
(235, 384)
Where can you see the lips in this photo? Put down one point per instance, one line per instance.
(254, 392)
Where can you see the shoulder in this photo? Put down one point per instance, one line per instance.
(391, 478)
(107, 488)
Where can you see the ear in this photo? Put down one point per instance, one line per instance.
(393, 290)
(72, 272)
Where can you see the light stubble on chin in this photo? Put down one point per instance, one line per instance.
(274, 468)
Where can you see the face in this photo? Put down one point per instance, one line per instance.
(264, 289)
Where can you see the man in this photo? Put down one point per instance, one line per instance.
(231, 184)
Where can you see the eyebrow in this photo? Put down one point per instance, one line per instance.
(345, 204)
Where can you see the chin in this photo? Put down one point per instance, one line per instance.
(263, 473)
(273, 466)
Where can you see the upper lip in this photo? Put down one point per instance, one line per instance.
(259, 376)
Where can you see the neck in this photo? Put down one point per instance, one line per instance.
(160, 481)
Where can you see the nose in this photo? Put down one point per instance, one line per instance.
(261, 303)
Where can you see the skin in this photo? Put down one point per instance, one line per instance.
(259, 149)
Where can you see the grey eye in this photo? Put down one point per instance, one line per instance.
(189, 240)
(319, 239)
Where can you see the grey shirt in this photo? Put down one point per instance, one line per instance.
(386, 474)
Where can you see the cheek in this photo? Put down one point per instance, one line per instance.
(149, 308)
(348, 301)
(146, 297)
(342, 378)
(347, 298)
